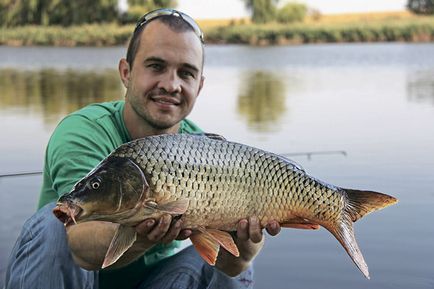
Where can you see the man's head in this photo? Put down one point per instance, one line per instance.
(162, 73)
(178, 21)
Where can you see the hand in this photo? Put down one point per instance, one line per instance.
(164, 230)
(249, 240)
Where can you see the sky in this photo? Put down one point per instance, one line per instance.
(208, 9)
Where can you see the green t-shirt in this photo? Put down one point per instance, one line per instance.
(81, 141)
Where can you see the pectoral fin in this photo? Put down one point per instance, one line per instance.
(122, 240)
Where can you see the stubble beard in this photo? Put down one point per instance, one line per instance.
(159, 122)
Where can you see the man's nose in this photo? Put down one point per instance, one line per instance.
(170, 82)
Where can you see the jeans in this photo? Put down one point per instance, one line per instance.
(41, 259)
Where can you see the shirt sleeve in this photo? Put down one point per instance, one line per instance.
(75, 148)
(187, 126)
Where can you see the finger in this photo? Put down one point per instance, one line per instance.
(172, 233)
(273, 228)
(145, 227)
(242, 230)
(255, 232)
(160, 230)
(184, 234)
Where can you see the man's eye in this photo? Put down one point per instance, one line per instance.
(155, 66)
(186, 74)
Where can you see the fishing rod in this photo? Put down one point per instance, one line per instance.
(21, 174)
(310, 154)
(307, 154)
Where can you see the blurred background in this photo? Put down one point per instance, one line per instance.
(345, 88)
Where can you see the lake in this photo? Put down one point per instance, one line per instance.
(365, 110)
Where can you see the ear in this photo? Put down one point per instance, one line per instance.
(202, 79)
(124, 71)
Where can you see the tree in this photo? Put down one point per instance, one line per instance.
(75, 12)
(291, 12)
(421, 6)
(57, 12)
(136, 8)
(262, 10)
(153, 4)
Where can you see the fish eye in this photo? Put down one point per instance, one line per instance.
(95, 184)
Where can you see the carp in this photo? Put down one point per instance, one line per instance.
(211, 183)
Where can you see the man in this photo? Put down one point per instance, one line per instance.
(163, 75)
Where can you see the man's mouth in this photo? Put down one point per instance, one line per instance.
(164, 100)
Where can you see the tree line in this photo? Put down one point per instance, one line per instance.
(76, 12)
(71, 12)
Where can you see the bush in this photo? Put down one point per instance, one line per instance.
(133, 14)
(292, 12)
(421, 6)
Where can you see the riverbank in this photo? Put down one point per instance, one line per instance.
(376, 27)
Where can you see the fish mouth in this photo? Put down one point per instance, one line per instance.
(67, 213)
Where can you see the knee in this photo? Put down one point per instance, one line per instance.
(43, 232)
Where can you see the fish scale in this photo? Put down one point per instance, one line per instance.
(238, 192)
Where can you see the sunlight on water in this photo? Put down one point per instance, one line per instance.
(375, 102)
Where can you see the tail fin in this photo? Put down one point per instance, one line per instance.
(362, 203)
(359, 204)
(344, 232)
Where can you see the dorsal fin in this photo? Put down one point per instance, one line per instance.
(214, 136)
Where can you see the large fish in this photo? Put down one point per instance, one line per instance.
(211, 184)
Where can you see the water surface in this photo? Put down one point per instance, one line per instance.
(375, 102)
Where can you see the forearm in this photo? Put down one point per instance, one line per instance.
(231, 265)
(249, 240)
(90, 241)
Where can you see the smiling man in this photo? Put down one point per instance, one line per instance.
(163, 80)
(163, 76)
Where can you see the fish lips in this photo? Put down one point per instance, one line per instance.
(67, 213)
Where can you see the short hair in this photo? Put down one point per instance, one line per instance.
(176, 24)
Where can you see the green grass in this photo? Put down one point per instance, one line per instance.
(86, 35)
(404, 30)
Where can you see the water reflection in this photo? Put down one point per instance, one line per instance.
(261, 101)
(55, 93)
(420, 87)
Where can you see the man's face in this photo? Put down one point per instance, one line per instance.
(166, 77)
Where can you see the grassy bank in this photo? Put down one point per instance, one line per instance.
(408, 31)
(331, 28)
(86, 35)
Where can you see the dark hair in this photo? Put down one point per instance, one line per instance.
(177, 24)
